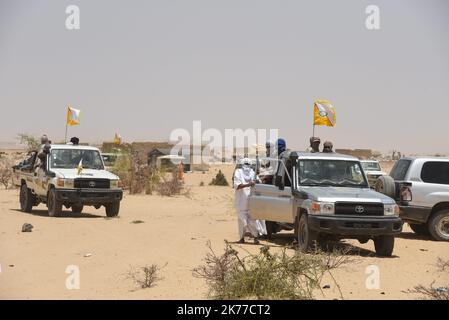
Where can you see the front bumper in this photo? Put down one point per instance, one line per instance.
(355, 226)
(88, 196)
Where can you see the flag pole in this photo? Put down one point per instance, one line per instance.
(66, 127)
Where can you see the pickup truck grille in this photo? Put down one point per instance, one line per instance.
(92, 183)
(359, 209)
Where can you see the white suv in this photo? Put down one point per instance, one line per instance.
(421, 188)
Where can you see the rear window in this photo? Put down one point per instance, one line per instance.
(435, 172)
(400, 169)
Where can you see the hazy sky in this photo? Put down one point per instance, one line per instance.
(144, 68)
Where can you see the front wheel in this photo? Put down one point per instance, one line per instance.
(384, 245)
(112, 209)
(54, 206)
(307, 238)
(439, 225)
(26, 198)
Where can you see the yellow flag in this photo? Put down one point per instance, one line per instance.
(117, 139)
(324, 114)
(73, 116)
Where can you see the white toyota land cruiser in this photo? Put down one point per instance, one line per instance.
(72, 176)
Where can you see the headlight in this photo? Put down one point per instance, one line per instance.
(322, 208)
(116, 184)
(391, 209)
(65, 183)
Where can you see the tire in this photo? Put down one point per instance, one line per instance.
(54, 206)
(385, 185)
(112, 209)
(77, 208)
(384, 245)
(26, 199)
(419, 229)
(307, 239)
(438, 225)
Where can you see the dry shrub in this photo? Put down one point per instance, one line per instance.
(145, 277)
(153, 179)
(266, 275)
(122, 167)
(219, 180)
(171, 186)
(441, 293)
(430, 292)
(5, 172)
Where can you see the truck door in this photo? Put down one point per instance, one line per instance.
(273, 202)
(40, 178)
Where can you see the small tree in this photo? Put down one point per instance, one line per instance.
(5, 172)
(29, 141)
(219, 180)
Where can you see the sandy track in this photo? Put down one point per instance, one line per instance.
(174, 233)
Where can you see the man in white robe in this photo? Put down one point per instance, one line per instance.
(244, 179)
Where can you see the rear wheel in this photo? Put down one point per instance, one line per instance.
(112, 209)
(439, 225)
(385, 185)
(307, 239)
(419, 229)
(54, 206)
(77, 208)
(384, 245)
(26, 198)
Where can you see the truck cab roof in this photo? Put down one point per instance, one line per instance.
(321, 155)
(72, 147)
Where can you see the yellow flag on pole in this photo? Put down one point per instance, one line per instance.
(73, 116)
(324, 114)
(117, 139)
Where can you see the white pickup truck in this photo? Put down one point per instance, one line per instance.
(72, 176)
(324, 196)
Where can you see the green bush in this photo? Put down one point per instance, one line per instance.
(219, 180)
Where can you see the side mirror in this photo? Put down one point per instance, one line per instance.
(50, 174)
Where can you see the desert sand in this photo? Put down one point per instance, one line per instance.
(173, 235)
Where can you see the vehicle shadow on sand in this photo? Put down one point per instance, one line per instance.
(65, 214)
(343, 248)
(414, 236)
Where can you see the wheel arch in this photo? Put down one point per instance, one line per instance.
(438, 207)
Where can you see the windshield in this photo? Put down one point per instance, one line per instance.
(371, 166)
(71, 158)
(323, 172)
